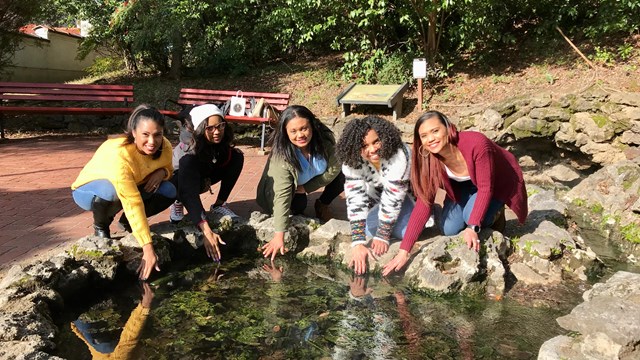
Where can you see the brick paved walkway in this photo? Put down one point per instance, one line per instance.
(37, 213)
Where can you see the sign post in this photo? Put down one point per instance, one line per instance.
(419, 72)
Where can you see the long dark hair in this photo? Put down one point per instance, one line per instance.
(427, 168)
(143, 112)
(349, 147)
(203, 148)
(282, 146)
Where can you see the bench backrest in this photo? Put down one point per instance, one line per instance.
(66, 92)
(202, 96)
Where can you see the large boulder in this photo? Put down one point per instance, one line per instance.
(605, 326)
(323, 241)
(609, 197)
(527, 127)
(297, 236)
(593, 135)
(446, 264)
(626, 98)
(103, 255)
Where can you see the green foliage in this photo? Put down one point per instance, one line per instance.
(549, 78)
(625, 51)
(377, 67)
(578, 202)
(314, 225)
(104, 65)
(228, 59)
(514, 242)
(528, 247)
(13, 15)
(497, 79)
(377, 37)
(597, 208)
(603, 56)
(605, 17)
(396, 69)
(631, 233)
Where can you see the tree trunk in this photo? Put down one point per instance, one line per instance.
(130, 59)
(176, 56)
(424, 37)
(432, 32)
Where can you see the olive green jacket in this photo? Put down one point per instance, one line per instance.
(280, 180)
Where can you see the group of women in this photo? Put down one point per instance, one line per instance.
(390, 188)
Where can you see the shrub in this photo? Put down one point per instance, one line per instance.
(103, 65)
(396, 69)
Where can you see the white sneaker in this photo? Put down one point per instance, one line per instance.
(223, 210)
(431, 222)
(176, 212)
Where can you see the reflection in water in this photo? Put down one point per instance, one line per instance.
(122, 349)
(275, 272)
(252, 308)
(365, 328)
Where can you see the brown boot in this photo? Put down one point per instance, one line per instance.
(322, 211)
(500, 222)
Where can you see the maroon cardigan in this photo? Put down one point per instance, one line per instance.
(493, 170)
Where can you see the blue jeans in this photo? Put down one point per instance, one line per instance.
(401, 224)
(455, 216)
(102, 188)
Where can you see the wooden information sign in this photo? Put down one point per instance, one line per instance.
(389, 95)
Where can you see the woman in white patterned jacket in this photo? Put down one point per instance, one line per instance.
(376, 165)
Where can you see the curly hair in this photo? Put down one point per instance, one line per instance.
(351, 142)
(282, 146)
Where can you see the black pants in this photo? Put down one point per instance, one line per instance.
(153, 204)
(330, 192)
(194, 178)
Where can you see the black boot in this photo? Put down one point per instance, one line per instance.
(500, 222)
(298, 204)
(153, 205)
(103, 213)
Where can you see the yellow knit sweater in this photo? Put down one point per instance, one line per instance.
(128, 339)
(126, 168)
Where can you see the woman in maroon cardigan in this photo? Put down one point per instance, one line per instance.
(478, 176)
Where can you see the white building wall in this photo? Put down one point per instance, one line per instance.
(52, 60)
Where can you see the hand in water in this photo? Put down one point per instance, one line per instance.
(360, 256)
(275, 272)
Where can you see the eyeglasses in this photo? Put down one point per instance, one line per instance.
(218, 127)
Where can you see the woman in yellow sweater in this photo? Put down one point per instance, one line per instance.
(130, 173)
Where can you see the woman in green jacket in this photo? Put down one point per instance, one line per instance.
(302, 160)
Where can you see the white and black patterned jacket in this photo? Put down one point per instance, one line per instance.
(365, 187)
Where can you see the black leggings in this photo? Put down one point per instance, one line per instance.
(330, 192)
(194, 178)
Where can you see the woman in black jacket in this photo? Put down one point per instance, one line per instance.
(201, 160)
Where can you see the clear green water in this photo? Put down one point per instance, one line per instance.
(609, 250)
(237, 311)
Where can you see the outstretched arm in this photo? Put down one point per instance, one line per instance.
(419, 217)
(395, 179)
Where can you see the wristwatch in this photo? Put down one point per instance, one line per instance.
(475, 228)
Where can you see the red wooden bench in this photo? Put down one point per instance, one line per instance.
(62, 99)
(220, 97)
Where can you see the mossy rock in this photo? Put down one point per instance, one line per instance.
(510, 106)
(526, 127)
